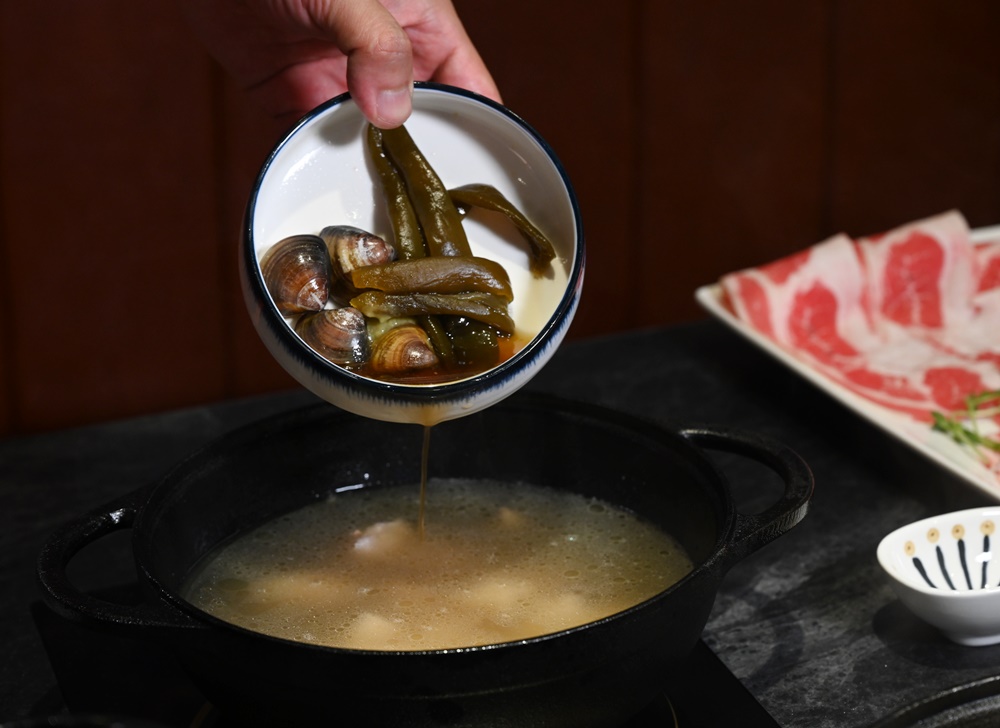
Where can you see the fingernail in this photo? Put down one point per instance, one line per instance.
(393, 106)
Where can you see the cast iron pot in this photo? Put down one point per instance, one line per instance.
(596, 675)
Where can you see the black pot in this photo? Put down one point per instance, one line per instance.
(595, 675)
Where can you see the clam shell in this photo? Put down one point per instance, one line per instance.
(338, 334)
(350, 248)
(403, 349)
(296, 271)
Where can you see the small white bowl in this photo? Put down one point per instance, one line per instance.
(946, 569)
(320, 175)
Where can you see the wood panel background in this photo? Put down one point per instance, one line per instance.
(701, 136)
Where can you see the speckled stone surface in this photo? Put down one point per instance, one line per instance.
(808, 623)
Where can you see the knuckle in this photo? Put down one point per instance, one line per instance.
(391, 42)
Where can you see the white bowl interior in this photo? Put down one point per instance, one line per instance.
(322, 176)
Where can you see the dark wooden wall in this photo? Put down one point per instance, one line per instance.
(702, 136)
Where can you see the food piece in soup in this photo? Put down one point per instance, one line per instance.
(384, 539)
(369, 629)
(496, 562)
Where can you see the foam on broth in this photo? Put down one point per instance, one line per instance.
(497, 562)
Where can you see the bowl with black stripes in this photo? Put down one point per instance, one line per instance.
(946, 570)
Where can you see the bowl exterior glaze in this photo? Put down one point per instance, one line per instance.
(946, 570)
(319, 175)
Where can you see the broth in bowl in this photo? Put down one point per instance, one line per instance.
(496, 562)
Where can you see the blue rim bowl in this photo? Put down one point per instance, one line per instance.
(319, 174)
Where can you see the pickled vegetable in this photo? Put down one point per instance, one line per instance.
(409, 237)
(474, 344)
(436, 213)
(436, 275)
(405, 228)
(485, 307)
(490, 198)
(426, 279)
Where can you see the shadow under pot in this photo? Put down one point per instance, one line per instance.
(598, 674)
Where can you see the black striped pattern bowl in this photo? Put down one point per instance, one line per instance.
(946, 569)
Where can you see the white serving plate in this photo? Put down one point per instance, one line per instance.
(934, 445)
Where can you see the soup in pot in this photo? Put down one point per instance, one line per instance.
(495, 562)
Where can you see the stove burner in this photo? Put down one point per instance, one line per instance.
(100, 674)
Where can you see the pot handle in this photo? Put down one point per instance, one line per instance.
(755, 531)
(63, 597)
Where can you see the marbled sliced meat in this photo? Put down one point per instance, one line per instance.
(909, 319)
(988, 261)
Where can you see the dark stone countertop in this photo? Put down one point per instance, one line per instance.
(809, 623)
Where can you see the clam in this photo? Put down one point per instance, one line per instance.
(296, 271)
(350, 248)
(405, 348)
(338, 334)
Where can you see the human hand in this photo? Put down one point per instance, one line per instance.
(292, 55)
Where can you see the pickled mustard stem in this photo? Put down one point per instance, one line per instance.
(435, 275)
(475, 344)
(484, 307)
(444, 235)
(439, 339)
(405, 228)
(406, 231)
(436, 213)
(486, 197)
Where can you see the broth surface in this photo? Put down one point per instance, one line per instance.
(497, 562)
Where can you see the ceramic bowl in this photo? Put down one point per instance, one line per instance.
(946, 569)
(320, 175)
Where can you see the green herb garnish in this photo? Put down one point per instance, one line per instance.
(962, 426)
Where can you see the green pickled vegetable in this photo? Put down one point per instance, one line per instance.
(439, 219)
(486, 197)
(405, 227)
(436, 275)
(459, 300)
(407, 234)
(474, 343)
(485, 307)
(440, 340)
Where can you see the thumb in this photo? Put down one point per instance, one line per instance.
(379, 60)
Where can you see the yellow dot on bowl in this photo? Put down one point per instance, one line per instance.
(987, 527)
(909, 548)
(958, 530)
(933, 535)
